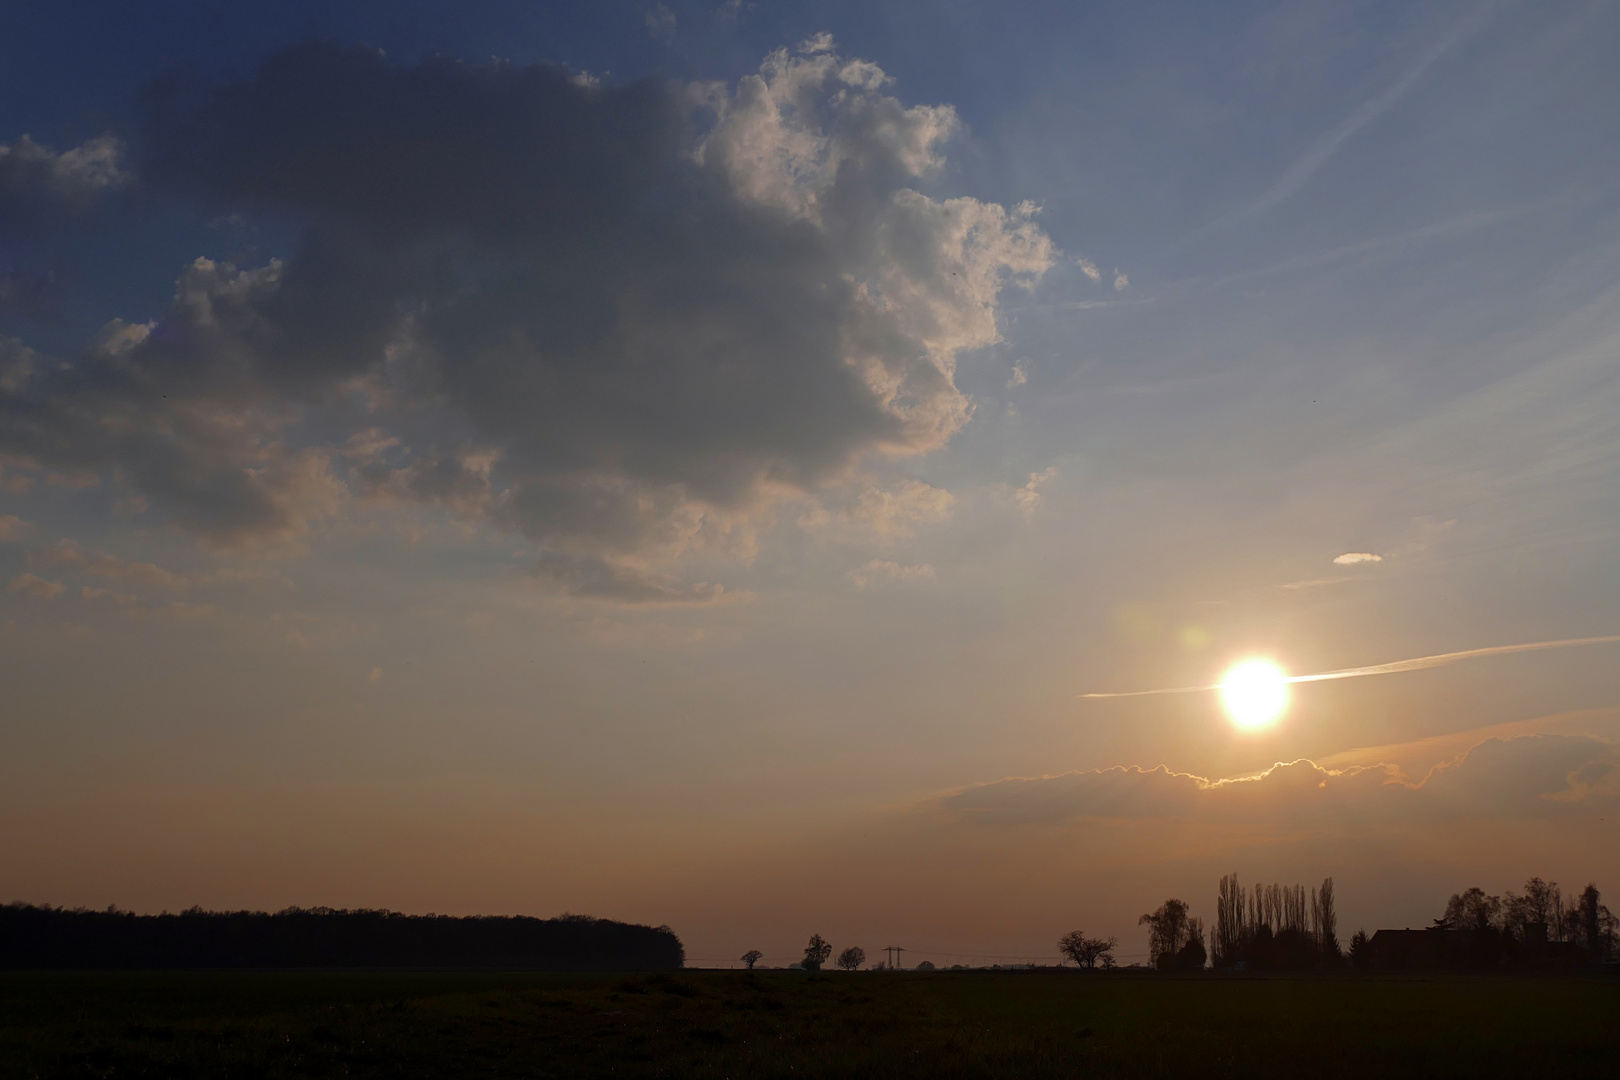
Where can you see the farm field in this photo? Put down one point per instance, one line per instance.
(790, 1024)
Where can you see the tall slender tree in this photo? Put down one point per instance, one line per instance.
(1275, 925)
(1229, 922)
(1325, 919)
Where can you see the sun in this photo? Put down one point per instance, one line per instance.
(1255, 694)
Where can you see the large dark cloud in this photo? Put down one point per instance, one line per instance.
(606, 316)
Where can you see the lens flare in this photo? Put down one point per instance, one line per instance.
(1255, 694)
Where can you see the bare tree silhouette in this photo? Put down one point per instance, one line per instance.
(752, 957)
(852, 958)
(1086, 951)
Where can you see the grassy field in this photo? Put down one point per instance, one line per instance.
(781, 1024)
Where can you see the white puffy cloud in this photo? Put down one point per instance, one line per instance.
(902, 512)
(600, 579)
(37, 183)
(1089, 268)
(1351, 558)
(1028, 497)
(623, 321)
(17, 364)
(1121, 281)
(92, 595)
(179, 609)
(661, 22)
(67, 553)
(811, 136)
(886, 570)
(35, 587)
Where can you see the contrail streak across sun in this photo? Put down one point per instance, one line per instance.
(1416, 664)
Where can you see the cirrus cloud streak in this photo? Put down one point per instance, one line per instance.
(1419, 663)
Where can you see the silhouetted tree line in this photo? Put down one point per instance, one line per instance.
(1537, 927)
(47, 937)
(1275, 926)
(1586, 923)
(816, 952)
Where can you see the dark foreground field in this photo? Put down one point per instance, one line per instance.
(780, 1024)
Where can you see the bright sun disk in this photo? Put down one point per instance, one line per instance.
(1255, 694)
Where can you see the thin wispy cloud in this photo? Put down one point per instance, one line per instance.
(1328, 144)
(1312, 583)
(884, 569)
(1393, 245)
(1419, 663)
(35, 587)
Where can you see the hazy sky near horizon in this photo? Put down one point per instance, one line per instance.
(684, 461)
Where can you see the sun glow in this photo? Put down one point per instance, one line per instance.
(1255, 694)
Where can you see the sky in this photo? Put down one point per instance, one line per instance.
(685, 462)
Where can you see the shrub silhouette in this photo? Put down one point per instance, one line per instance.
(1360, 952)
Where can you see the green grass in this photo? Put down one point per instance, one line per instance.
(780, 1024)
